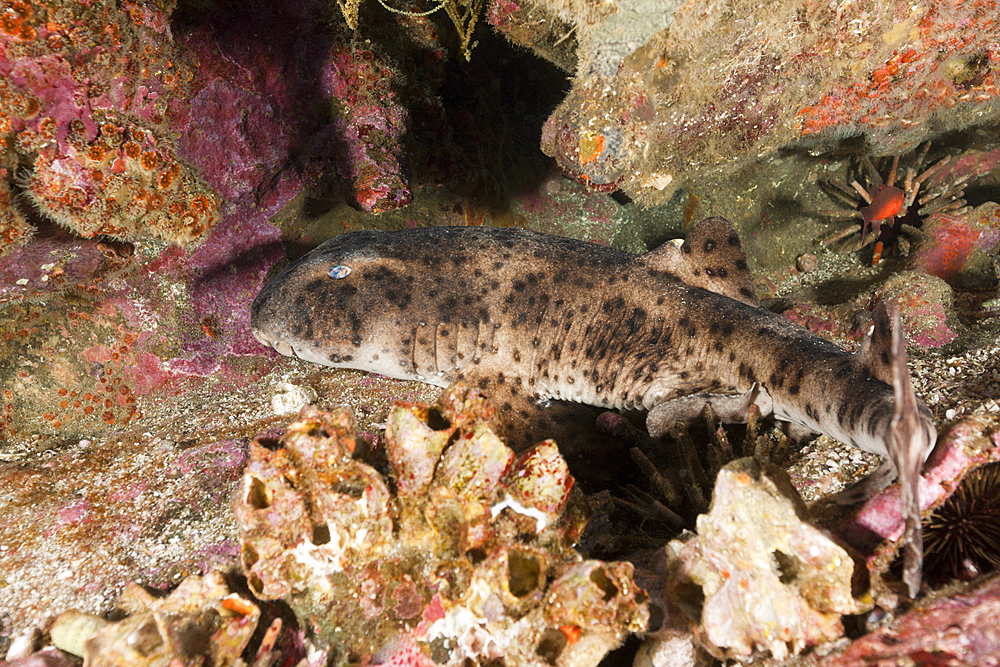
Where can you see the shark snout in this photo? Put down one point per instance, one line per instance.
(262, 313)
(279, 345)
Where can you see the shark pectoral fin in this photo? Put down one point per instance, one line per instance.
(593, 455)
(875, 354)
(728, 409)
(912, 436)
(797, 432)
(868, 486)
(711, 257)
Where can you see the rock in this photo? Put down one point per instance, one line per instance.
(757, 577)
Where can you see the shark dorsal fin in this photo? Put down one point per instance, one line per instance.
(875, 353)
(711, 257)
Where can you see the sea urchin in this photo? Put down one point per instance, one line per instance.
(961, 537)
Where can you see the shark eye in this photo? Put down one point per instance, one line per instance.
(340, 271)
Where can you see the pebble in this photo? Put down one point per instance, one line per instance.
(807, 263)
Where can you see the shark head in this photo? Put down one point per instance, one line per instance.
(321, 308)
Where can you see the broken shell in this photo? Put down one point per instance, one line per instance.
(200, 621)
(73, 628)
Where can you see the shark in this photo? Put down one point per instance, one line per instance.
(544, 324)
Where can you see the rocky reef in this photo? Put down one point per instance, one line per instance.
(89, 97)
(667, 94)
(131, 387)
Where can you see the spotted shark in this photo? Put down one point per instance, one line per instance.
(541, 323)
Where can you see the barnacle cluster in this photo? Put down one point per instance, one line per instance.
(88, 93)
(200, 622)
(887, 206)
(465, 548)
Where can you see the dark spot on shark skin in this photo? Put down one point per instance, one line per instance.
(722, 272)
(882, 324)
(880, 415)
(810, 413)
(697, 273)
(684, 375)
(741, 264)
(483, 383)
(516, 354)
(794, 390)
(660, 300)
(842, 413)
(857, 412)
(686, 248)
(536, 341)
(732, 357)
(717, 347)
(733, 240)
(884, 356)
(709, 245)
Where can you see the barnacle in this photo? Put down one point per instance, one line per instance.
(887, 207)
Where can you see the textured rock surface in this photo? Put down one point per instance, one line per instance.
(962, 628)
(77, 527)
(757, 578)
(703, 88)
